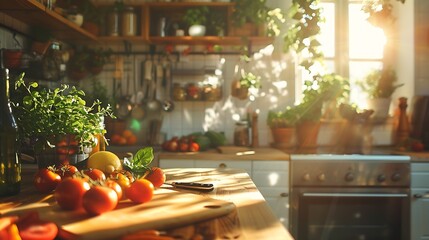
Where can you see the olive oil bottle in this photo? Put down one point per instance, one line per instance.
(10, 168)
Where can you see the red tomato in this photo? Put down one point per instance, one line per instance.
(66, 170)
(156, 176)
(95, 174)
(46, 180)
(194, 147)
(115, 186)
(31, 227)
(140, 191)
(183, 146)
(69, 192)
(99, 199)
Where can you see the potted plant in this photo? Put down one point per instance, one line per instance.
(379, 85)
(247, 81)
(322, 88)
(58, 122)
(282, 125)
(92, 17)
(196, 18)
(77, 66)
(98, 58)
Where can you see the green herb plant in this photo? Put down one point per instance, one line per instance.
(43, 113)
(379, 83)
(196, 16)
(140, 162)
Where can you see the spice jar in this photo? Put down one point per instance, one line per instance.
(241, 134)
(179, 93)
(193, 92)
(113, 22)
(129, 22)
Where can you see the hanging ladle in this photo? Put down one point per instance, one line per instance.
(167, 104)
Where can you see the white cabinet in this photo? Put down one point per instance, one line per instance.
(271, 178)
(419, 201)
(244, 165)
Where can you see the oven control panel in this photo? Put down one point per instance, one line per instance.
(350, 173)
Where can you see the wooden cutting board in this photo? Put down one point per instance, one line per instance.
(168, 209)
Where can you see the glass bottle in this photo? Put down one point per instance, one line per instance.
(113, 22)
(129, 22)
(10, 168)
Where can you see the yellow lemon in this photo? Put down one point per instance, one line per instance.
(105, 161)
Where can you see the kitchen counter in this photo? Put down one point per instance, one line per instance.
(250, 217)
(229, 153)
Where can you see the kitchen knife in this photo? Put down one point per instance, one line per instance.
(202, 187)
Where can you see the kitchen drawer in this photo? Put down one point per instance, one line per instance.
(420, 167)
(420, 180)
(245, 165)
(271, 165)
(271, 178)
(176, 163)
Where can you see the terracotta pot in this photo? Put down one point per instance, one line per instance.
(239, 91)
(306, 136)
(12, 58)
(91, 28)
(40, 47)
(247, 29)
(284, 138)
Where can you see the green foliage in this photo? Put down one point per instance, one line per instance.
(196, 16)
(380, 83)
(43, 113)
(99, 56)
(302, 34)
(380, 13)
(283, 119)
(257, 12)
(250, 80)
(140, 162)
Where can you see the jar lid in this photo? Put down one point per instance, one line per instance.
(241, 123)
(128, 8)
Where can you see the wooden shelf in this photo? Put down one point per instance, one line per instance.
(34, 13)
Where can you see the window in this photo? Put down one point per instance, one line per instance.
(351, 45)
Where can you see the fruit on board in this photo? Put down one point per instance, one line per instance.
(106, 161)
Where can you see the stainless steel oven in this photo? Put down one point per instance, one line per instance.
(350, 197)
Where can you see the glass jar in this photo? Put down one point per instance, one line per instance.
(193, 92)
(113, 22)
(179, 93)
(241, 134)
(129, 22)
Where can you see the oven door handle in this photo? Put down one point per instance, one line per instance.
(389, 195)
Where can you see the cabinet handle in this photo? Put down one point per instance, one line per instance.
(419, 195)
(284, 194)
(222, 165)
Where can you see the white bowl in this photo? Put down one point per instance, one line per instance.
(76, 18)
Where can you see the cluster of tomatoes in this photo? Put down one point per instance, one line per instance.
(183, 144)
(126, 137)
(94, 190)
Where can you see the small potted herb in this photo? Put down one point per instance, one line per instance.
(196, 18)
(98, 58)
(58, 122)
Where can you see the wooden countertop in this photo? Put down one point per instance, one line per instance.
(229, 153)
(251, 218)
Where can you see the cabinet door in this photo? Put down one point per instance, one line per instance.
(245, 165)
(272, 180)
(176, 163)
(419, 214)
